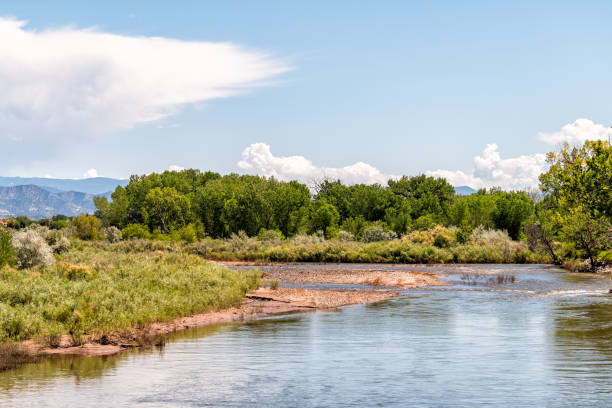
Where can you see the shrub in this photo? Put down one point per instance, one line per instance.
(274, 285)
(270, 235)
(112, 234)
(377, 233)
(462, 236)
(441, 241)
(57, 241)
(58, 224)
(7, 252)
(303, 239)
(188, 233)
(32, 249)
(345, 236)
(481, 236)
(135, 231)
(86, 226)
(19, 222)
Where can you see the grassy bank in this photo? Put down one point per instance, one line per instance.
(97, 288)
(310, 249)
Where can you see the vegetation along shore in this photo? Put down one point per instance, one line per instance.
(140, 266)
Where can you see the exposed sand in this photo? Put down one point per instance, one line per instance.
(372, 277)
(258, 303)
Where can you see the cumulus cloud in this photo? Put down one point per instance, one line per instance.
(75, 83)
(577, 133)
(258, 159)
(91, 173)
(490, 169)
(174, 167)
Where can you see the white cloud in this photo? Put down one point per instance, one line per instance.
(577, 133)
(258, 159)
(91, 173)
(521, 172)
(77, 83)
(174, 167)
(491, 170)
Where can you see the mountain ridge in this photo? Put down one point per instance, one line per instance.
(35, 202)
(94, 185)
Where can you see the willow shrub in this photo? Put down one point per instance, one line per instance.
(96, 288)
(395, 251)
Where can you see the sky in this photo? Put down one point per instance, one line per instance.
(476, 92)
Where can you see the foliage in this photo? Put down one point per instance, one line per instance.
(112, 234)
(98, 288)
(7, 252)
(589, 235)
(377, 233)
(86, 226)
(135, 231)
(580, 177)
(511, 212)
(166, 209)
(579, 199)
(31, 249)
(57, 240)
(19, 222)
(345, 236)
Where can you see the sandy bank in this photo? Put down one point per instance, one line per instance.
(257, 304)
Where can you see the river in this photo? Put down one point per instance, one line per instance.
(514, 336)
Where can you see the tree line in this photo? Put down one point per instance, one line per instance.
(569, 218)
(218, 206)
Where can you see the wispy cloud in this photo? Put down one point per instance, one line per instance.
(70, 83)
(258, 159)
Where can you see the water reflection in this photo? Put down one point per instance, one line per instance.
(541, 339)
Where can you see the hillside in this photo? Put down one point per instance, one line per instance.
(97, 185)
(35, 202)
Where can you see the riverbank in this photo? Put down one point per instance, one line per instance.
(368, 286)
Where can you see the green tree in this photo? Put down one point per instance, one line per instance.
(166, 209)
(324, 218)
(580, 177)
(588, 234)
(511, 212)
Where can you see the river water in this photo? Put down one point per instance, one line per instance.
(514, 336)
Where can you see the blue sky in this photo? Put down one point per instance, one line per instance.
(405, 87)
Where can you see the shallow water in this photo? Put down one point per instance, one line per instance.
(542, 340)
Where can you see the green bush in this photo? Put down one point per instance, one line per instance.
(135, 231)
(7, 252)
(86, 226)
(440, 241)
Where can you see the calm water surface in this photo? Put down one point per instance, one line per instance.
(542, 340)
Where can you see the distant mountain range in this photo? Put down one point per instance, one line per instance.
(36, 202)
(39, 198)
(96, 185)
(464, 190)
